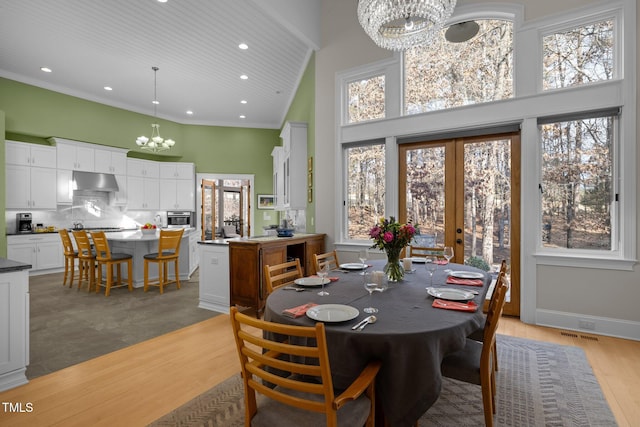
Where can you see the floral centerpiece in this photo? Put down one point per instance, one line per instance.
(391, 236)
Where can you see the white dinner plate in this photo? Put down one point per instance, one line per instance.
(467, 274)
(450, 294)
(332, 313)
(353, 266)
(311, 281)
(418, 259)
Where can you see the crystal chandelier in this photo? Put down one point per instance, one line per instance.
(156, 142)
(403, 24)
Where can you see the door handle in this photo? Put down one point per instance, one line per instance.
(458, 241)
(459, 230)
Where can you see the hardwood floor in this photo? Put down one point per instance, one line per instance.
(138, 384)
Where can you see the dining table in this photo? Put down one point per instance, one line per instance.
(410, 335)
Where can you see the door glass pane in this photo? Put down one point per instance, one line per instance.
(487, 203)
(425, 194)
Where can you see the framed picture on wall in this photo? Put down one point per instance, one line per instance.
(266, 201)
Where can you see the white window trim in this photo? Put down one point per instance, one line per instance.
(529, 102)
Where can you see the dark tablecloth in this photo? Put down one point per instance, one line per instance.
(410, 337)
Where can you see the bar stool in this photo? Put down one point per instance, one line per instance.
(168, 251)
(104, 257)
(86, 259)
(70, 257)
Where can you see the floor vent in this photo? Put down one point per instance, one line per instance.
(587, 337)
(569, 334)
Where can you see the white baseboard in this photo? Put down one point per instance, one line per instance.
(589, 324)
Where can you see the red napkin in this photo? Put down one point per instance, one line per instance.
(442, 262)
(455, 305)
(469, 282)
(333, 279)
(298, 311)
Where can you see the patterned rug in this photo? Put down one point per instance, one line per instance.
(539, 384)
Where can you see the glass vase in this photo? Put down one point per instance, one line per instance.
(393, 268)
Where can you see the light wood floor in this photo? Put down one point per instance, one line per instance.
(138, 384)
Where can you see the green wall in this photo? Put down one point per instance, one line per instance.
(3, 185)
(302, 109)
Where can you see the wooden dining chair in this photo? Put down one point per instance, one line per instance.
(319, 260)
(423, 252)
(105, 258)
(168, 251)
(70, 257)
(300, 371)
(478, 334)
(283, 274)
(86, 259)
(473, 364)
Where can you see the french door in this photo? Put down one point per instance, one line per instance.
(208, 221)
(465, 193)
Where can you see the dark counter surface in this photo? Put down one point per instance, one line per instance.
(7, 265)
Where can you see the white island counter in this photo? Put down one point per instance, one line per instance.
(134, 243)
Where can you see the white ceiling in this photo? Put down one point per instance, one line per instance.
(90, 44)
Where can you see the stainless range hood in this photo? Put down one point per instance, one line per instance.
(92, 181)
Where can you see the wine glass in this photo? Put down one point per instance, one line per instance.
(431, 264)
(370, 285)
(448, 254)
(363, 255)
(322, 274)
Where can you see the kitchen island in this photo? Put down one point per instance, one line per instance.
(134, 243)
(14, 327)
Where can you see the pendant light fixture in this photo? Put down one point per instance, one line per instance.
(403, 24)
(155, 143)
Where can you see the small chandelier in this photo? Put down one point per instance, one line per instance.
(403, 24)
(156, 143)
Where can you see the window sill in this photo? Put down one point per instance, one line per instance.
(584, 261)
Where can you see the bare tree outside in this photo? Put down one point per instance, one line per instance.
(365, 189)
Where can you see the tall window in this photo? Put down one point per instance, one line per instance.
(577, 187)
(365, 189)
(444, 75)
(366, 99)
(578, 56)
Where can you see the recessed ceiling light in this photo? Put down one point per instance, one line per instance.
(243, 102)
(242, 116)
(189, 112)
(162, 1)
(46, 69)
(244, 77)
(108, 88)
(243, 46)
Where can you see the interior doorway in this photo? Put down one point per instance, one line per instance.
(465, 193)
(224, 203)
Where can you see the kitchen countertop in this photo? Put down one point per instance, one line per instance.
(7, 265)
(221, 242)
(136, 235)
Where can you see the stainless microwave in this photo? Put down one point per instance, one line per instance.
(181, 219)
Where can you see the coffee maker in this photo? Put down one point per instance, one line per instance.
(23, 222)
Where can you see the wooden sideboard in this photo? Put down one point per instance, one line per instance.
(248, 256)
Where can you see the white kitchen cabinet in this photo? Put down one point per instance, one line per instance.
(143, 193)
(14, 328)
(194, 253)
(22, 153)
(177, 194)
(75, 156)
(42, 251)
(143, 168)
(177, 170)
(64, 187)
(30, 187)
(290, 171)
(214, 277)
(110, 161)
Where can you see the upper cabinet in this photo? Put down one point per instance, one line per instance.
(21, 153)
(75, 156)
(143, 168)
(110, 161)
(177, 170)
(290, 167)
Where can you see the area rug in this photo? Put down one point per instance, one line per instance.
(68, 326)
(539, 384)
